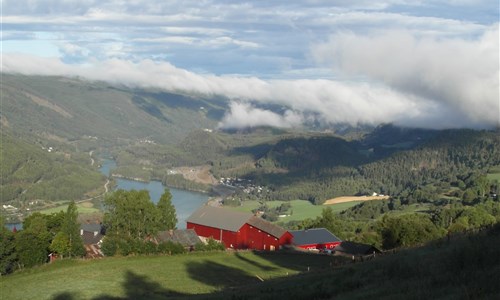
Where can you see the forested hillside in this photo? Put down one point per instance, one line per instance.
(34, 173)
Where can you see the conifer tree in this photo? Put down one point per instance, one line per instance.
(167, 215)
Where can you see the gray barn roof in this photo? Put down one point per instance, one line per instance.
(313, 236)
(219, 218)
(92, 227)
(185, 237)
(266, 226)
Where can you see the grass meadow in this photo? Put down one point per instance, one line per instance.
(83, 208)
(146, 277)
(463, 266)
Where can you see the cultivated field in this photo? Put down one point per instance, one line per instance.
(345, 199)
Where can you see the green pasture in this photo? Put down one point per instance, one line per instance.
(493, 176)
(300, 210)
(154, 277)
(83, 208)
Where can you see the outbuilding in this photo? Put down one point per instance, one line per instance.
(315, 239)
(237, 230)
(355, 249)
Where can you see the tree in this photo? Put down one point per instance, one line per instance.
(7, 249)
(408, 230)
(60, 244)
(32, 248)
(167, 218)
(71, 230)
(130, 214)
(328, 220)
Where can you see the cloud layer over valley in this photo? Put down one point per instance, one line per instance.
(353, 63)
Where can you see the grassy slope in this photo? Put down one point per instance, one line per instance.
(194, 273)
(465, 267)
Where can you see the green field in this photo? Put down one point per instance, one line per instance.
(493, 176)
(412, 208)
(301, 209)
(147, 277)
(83, 208)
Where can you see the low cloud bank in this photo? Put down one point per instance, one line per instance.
(407, 80)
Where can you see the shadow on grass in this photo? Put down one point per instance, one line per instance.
(136, 287)
(255, 263)
(227, 280)
(218, 275)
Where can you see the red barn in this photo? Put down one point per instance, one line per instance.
(315, 239)
(237, 230)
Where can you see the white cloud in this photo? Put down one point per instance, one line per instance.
(242, 115)
(332, 101)
(419, 63)
(456, 73)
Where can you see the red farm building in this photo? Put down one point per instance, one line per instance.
(237, 230)
(315, 239)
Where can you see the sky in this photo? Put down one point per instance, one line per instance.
(429, 64)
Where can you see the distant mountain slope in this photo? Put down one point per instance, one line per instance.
(30, 172)
(70, 109)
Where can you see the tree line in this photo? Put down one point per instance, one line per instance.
(57, 233)
(131, 222)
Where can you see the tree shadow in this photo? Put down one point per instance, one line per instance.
(255, 263)
(136, 287)
(209, 273)
(64, 296)
(228, 281)
(302, 261)
(141, 287)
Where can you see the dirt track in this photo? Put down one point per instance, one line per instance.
(353, 198)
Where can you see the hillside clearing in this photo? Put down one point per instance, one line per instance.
(344, 199)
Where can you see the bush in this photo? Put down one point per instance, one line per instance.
(211, 245)
(109, 246)
(171, 248)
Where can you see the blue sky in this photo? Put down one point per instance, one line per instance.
(413, 63)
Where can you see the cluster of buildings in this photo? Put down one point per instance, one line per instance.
(244, 184)
(239, 230)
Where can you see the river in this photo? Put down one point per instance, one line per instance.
(185, 202)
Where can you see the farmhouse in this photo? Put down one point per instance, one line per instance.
(315, 239)
(237, 230)
(92, 236)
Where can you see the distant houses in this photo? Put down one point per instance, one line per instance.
(237, 230)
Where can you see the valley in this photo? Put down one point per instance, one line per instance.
(390, 187)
